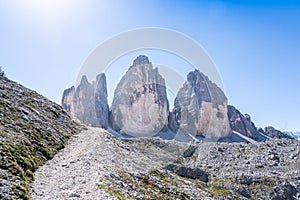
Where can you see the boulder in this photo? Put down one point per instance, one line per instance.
(140, 106)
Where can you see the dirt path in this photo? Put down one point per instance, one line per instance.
(75, 171)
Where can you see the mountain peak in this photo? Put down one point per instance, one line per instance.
(140, 60)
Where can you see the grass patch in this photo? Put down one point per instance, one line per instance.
(220, 191)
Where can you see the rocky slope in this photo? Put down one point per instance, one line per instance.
(32, 130)
(242, 123)
(200, 109)
(140, 106)
(274, 133)
(295, 135)
(96, 165)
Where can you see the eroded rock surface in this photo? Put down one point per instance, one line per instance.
(88, 102)
(200, 109)
(101, 105)
(241, 123)
(140, 106)
(84, 103)
(67, 101)
(274, 133)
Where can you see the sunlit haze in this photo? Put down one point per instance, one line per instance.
(254, 44)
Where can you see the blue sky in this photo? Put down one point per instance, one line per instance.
(254, 44)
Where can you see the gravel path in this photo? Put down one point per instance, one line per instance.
(75, 171)
(92, 156)
(94, 159)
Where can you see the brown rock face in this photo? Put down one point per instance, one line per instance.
(200, 109)
(140, 106)
(88, 102)
(84, 103)
(67, 100)
(101, 105)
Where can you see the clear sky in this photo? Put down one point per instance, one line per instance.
(254, 44)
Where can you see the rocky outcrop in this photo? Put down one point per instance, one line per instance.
(191, 173)
(84, 103)
(67, 101)
(140, 106)
(32, 130)
(101, 105)
(242, 123)
(274, 133)
(200, 109)
(88, 102)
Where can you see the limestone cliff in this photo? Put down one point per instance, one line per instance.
(88, 102)
(140, 106)
(200, 109)
(67, 101)
(84, 103)
(101, 105)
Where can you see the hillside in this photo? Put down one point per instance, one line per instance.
(32, 130)
(97, 165)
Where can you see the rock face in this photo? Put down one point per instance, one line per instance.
(84, 103)
(200, 109)
(274, 133)
(140, 106)
(101, 105)
(241, 123)
(88, 102)
(67, 101)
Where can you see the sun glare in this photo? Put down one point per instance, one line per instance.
(50, 12)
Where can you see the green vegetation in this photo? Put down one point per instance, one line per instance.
(220, 191)
(25, 140)
(154, 185)
(115, 193)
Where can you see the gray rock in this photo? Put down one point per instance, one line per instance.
(101, 105)
(192, 173)
(274, 133)
(140, 106)
(88, 102)
(67, 101)
(172, 123)
(200, 109)
(84, 103)
(190, 151)
(242, 124)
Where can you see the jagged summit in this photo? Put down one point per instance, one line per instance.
(84, 80)
(140, 107)
(200, 109)
(140, 60)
